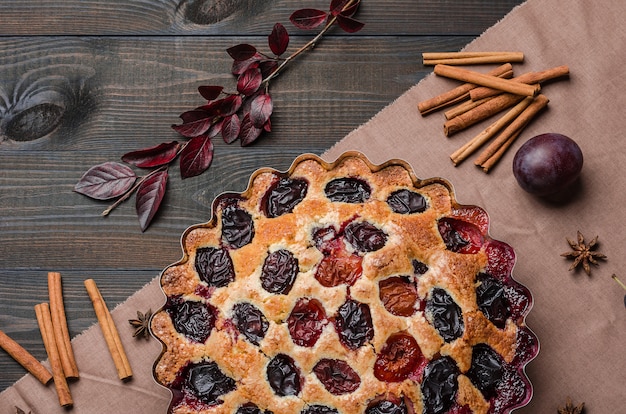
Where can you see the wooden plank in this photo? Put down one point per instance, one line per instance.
(46, 225)
(21, 289)
(121, 94)
(118, 80)
(238, 17)
(82, 93)
(130, 94)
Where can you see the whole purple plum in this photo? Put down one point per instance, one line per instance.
(547, 164)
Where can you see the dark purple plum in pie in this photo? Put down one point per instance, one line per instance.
(344, 288)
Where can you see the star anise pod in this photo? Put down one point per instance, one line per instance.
(141, 324)
(570, 408)
(583, 254)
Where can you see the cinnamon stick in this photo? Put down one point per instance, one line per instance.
(470, 58)
(479, 140)
(59, 326)
(25, 358)
(491, 161)
(44, 319)
(462, 108)
(459, 93)
(491, 107)
(494, 151)
(505, 85)
(109, 330)
(529, 77)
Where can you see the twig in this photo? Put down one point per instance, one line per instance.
(130, 192)
(309, 45)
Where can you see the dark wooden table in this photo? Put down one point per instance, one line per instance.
(83, 82)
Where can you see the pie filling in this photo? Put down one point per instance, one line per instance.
(344, 288)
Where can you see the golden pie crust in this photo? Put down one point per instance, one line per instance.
(409, 237)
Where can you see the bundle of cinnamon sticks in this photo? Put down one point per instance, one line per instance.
(483, 95)
(52, 323)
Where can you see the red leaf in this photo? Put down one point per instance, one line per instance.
(221, 107)
(249, 133)
(197, 114)
(106, 181)
(267, 127)
(149, 196)
(278, 40)
(229, 105)
(241, 52)
(351, 10)
(339, 7)
(215, 129)
(308, 18)
(349, 24)
(240, 67)
(336, 6)
(268, 67)
(230, 128)
(196, 157)
(154, 156)
(195, 123)
(210, 92)
(261, 109)
(249, 81)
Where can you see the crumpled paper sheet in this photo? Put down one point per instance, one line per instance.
(580, 320)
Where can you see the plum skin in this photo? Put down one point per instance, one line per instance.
(547, 164)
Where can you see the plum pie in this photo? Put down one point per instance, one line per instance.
(343, 288)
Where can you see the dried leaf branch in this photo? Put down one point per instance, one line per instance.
(243, 115)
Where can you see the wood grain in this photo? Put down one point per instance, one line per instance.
(238, 17)
(132, 90)
(82, 82)
(23, 288)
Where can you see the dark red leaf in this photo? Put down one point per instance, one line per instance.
(211, 109)
(106, 181)
(229, 105)
(195, 115)
(230, 128)
(154, 156)
(336, 6)
(261, 109)
(339, 7)
(194, 129)
(240, 67)
(196, 157)
(241, 52)
(149, 196)
(278, 40)
(218, 108)
(268, 67)
(308, 18)
(210, 92)
(195, 123)
(351, 10)
(249, 81)
(348, 24)
(215, 129)
(245, 108)
(249, 133)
